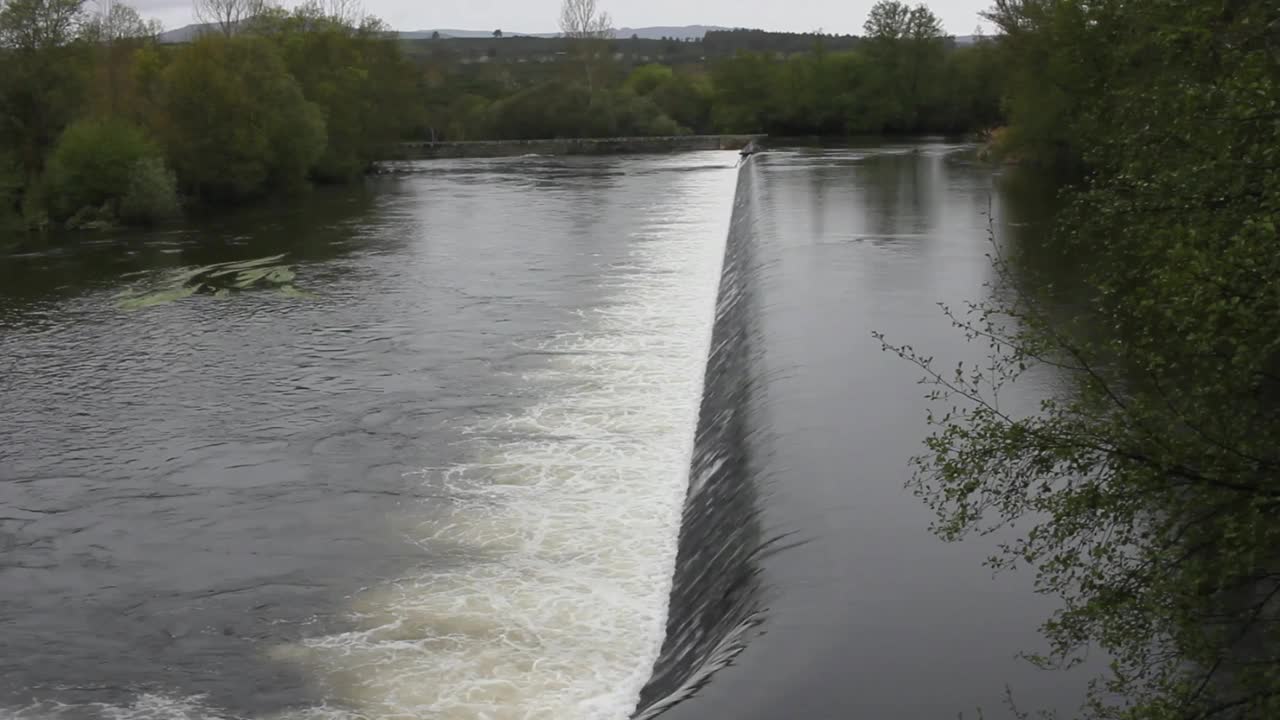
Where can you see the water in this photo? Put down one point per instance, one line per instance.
(448, 485)
(854, 610)
(539, 444)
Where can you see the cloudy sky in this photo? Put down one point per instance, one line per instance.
(960, 17)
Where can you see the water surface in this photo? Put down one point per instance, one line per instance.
(865, 613)
(446, 485)
(546, 439)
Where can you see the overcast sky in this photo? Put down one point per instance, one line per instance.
(959, 17)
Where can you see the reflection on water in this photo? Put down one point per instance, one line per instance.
(316, 228)
(867, 614)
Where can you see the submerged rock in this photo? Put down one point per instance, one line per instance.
(222, 280)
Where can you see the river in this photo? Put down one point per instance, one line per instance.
(538, 438)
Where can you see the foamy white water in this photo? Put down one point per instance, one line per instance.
(567, 517)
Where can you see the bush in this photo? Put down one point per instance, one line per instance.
(152, 194)
(549, 110)
(639, 116)
(92, 163)
(663, 126)
(236, 124)
(10, 194)
(561, 110)
(645, 79)
(469, 118)
(686, 99)
(357, 77)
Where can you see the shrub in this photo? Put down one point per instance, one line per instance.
(356, 75)
(663, 126)
(92, 163)
(10, 194)
(236, 122)
(639, 116)
(152, 194)
(686, 99)
(547, 110)
(645, 79)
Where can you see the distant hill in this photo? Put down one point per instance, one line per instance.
(464, 34)
(686, 32)
(658, 32)
(186, 33)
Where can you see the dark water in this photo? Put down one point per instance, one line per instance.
(852, 609)
(449, 483)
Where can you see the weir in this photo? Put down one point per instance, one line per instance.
(566, 146)
(716, 602)
(521, 457)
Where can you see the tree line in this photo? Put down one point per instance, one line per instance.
(904, 76)
(99, 124)
(1146, 493)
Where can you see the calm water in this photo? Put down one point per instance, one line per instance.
(449, 483)
(867, 615)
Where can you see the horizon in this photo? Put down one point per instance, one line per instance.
(959, 17)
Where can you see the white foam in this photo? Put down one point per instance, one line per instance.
(566, 536)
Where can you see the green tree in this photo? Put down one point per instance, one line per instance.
(235, 122)
(744, 92)
(117, 32)
(92, 165)
(923, 26)
(686, 98)
(469, 118)
(646, 79)
(151, 195)
(355, 74)
(41, 86)
(1147, 491)
(908, 48)
(30, 25)
(888, 20)
(11, 185)
(1050, 73)
(972, 89)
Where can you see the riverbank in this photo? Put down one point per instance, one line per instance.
(569, 146)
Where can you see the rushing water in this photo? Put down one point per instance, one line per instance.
(544, 438)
